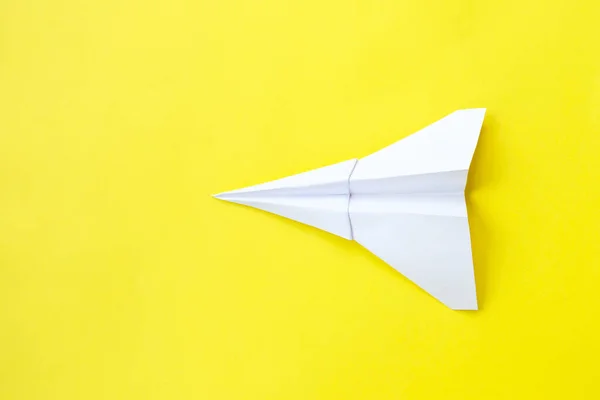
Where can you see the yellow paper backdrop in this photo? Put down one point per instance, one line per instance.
(121, 278)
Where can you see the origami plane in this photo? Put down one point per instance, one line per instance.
(404, 203)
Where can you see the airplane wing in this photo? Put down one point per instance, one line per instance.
(425, 238)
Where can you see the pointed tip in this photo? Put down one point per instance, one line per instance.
(469, 305)
(228, 196)
(220, 196)
(474, 115)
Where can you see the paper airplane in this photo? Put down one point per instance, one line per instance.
(404, 203)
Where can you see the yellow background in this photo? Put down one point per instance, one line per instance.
(121, 278)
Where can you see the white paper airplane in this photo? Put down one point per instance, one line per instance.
(404, 203)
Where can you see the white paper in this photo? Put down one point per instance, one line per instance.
(317, 198)
(404, 203)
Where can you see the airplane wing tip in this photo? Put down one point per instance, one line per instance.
(477, 114)
(470, 306)
(461, 301)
